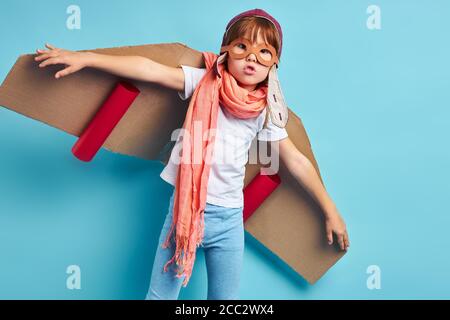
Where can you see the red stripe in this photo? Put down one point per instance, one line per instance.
(257, 191)
(104, 121)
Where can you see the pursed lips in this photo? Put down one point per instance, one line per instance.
(251, 68)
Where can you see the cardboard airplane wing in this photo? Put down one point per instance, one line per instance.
(287, 222)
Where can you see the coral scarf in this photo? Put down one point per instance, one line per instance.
(193, 172)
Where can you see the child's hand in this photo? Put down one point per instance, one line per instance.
(74, 61)
(335, 223)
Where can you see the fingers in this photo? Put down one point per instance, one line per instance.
(52, 56)
(50, 61)
(342, 238)
(64, 72)
(44, 54)
(330, 235)
(40, 51)
(42, 57)
(346, 240)
(50, 46)
(341, 241)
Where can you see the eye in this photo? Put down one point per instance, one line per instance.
(265, 51)
(241, 44)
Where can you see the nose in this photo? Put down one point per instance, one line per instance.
(251, 56)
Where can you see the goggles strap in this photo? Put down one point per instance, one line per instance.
(277, 106)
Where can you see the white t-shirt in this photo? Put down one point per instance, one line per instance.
(232, 143)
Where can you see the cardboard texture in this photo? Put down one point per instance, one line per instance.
(288, 223)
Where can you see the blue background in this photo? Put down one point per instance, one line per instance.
(375, 104)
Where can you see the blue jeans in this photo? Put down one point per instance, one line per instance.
(223, 245)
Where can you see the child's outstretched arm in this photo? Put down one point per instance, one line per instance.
(133, 67)
(302, 169)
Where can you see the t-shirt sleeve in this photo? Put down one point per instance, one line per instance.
(272, 132)
(192, 77)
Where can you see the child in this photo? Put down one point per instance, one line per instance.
(229, 99)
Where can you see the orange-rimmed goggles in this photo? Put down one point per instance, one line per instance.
(242, 47)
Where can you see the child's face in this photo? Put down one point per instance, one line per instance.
(237, 68)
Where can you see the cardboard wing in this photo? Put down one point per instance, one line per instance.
(288, 223)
